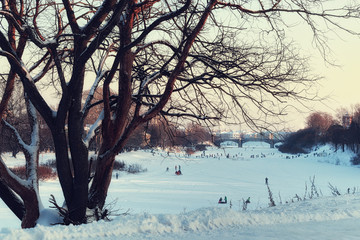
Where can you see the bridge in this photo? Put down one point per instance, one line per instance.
(217, 140)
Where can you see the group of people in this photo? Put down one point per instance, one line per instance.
(177, 170)
(224, 201)
(221, 201)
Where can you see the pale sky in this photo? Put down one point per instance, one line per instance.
(340, 83)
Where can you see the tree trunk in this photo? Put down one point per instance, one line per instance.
(79, 152)
(77, 206)
(101, 182)
(12, 201)
(63, 163)
(32, 212)
(29, 207)
(104, 168)
(73, 184)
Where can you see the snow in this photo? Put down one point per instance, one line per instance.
(160, 205)
(93, 127)
(148, 79)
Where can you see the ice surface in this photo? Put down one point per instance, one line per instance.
(163, 205)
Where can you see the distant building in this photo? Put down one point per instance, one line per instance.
(346, 120)
(226, 135)
(236, 134)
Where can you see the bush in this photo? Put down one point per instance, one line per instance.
(189, 151)
(44, 172)
(200, 147)
(135, 168)
(355, 160)
(47, 170)
(50, 163)
(300, 142)
(119, 165)
(19, 171)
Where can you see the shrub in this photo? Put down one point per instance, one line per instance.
(44, 172)
(272, 202)
(19, 171)
(189, 151)
(50, 163)
(47, 170)
(355, 160)
(334, 190)
(135, 168)
(300, 142)
(119, 165)
(200, 147)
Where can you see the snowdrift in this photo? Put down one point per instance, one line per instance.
(208, 222)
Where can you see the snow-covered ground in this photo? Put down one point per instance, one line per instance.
(162, 205)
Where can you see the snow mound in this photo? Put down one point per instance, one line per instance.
(205, 221)
(328, 154)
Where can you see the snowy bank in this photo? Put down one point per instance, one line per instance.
(210, 221)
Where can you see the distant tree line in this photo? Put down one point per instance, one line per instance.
(342, 131)
(157, 133)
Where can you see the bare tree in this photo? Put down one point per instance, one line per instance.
(177, 59)
(320, 121)
(356, 117)
(196, 134)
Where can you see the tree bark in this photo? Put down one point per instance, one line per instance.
(101, 182)
(79, 152)
(32, 211)
(29, 208)
(12, 201)
(113, 129)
